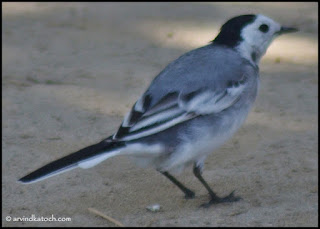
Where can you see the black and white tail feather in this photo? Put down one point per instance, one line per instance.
(142, 121)
(105, 149)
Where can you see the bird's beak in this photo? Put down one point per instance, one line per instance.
(284, 30)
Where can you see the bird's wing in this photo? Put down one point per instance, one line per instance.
(175, 108)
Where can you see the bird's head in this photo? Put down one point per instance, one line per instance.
(250, 34)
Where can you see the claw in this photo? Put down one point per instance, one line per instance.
(227, 199)
(189, 194)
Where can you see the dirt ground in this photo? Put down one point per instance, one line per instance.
(72, 70)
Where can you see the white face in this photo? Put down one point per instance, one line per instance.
(257, 37)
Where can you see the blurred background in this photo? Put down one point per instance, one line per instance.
(70, 73)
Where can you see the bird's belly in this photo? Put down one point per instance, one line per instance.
(209, 134)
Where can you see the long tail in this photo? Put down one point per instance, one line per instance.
(84, 158)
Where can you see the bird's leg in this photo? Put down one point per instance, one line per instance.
(214, 198)
(188, 193)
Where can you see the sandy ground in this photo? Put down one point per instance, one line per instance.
(72, 70)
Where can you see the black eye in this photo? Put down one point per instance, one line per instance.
(264, 28)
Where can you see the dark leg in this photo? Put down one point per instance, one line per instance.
(188, 193)
(214, 198)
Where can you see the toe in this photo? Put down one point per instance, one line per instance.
(189, 195)
(227, 199)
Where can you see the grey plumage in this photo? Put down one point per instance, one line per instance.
(215, 76)
(190, 109)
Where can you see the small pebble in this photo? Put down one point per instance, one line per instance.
(154, 208)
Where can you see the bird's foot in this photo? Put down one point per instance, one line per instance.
(216, 200)
(189, 194)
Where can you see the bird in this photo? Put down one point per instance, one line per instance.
(193, 106)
